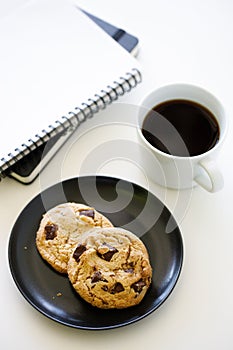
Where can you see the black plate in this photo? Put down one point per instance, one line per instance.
(126, 205)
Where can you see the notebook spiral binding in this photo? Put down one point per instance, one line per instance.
(67, 124)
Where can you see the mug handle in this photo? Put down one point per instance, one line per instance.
(215, 182)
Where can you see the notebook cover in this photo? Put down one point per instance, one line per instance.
(43, 79)
(27, 169)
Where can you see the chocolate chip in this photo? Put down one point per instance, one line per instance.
(106, 251)
(108, 256)
(51, 231)
(129, 270)
(138, 286)
(79, 251)
(96, 277)
(117, 288)
(87, 212)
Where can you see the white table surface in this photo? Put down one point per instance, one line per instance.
(180, 41)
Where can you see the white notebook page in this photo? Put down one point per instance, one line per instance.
(53, 58)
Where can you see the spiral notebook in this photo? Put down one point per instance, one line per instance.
(58, 68)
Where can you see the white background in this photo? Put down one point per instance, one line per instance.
(180, 41)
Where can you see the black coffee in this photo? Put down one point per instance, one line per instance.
(181, 128)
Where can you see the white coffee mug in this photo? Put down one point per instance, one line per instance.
(182, 172)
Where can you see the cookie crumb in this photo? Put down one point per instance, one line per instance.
(59, 294)
(25, 247)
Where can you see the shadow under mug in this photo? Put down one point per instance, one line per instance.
(182, 172)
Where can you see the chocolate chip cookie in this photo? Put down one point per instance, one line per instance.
(110, 268)
(60, 229)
